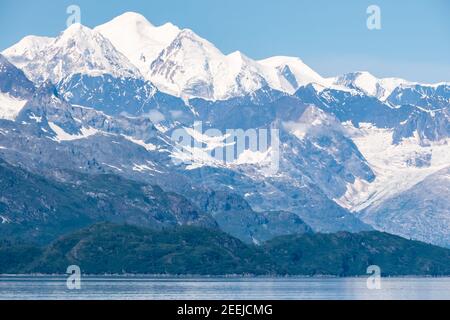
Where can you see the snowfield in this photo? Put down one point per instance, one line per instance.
(10, 106)
(395, 166)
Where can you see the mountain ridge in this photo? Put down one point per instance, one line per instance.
(122, 249)
(345, 147)
(145, 42)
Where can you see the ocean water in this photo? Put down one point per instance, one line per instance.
(162, 288)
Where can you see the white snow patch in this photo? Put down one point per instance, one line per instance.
(390, 163)
(61, 135)
(161, 128)
(311, 121)
(194, 157)
(254, 157)
(149, 166)
(201, 153)
(35, 118)
(113, 167)
(10, 107)
(4, 219)
(211, 142)
(147, 146)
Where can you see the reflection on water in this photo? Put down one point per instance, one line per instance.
(104, 288)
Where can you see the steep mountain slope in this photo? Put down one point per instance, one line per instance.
(427, 126)
(51, 136)
(310, 141)
(396, 91)
(405, 145)
(398, 166)
(430, 97)
(13, 81)
(125, 96)
(36, 208)
(421, 212)
(15, 90)
(354, 106)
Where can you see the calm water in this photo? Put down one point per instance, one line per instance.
(103, 288)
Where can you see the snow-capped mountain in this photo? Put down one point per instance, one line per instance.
(287, 74)
(88, 70)
(27, 50)
(424, 125)
(394, 90)
(427, 96)
(13, 81)
(125, 96)
(140, 41)
(15, 90)
(78, 50)
(193, 67)
(369, 84)
(352, 147)
(49, 133)
(181, 63)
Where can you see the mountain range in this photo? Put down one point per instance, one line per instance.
(86, 121)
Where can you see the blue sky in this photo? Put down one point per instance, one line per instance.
(330, 36)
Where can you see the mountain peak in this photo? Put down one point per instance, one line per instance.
(290, 73)
(238, 55)
(238, 60)
(75, 31)
(27, 44)
(131, 17)
(278, 60)
(189, 35)
(76, 27)
(190, 66)
(362, 73)
(136, 38)
(369, 84)
(77, 50)
(26, 50)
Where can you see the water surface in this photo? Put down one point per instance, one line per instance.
(159, 288)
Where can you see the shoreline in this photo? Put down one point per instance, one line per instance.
(231, 277)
